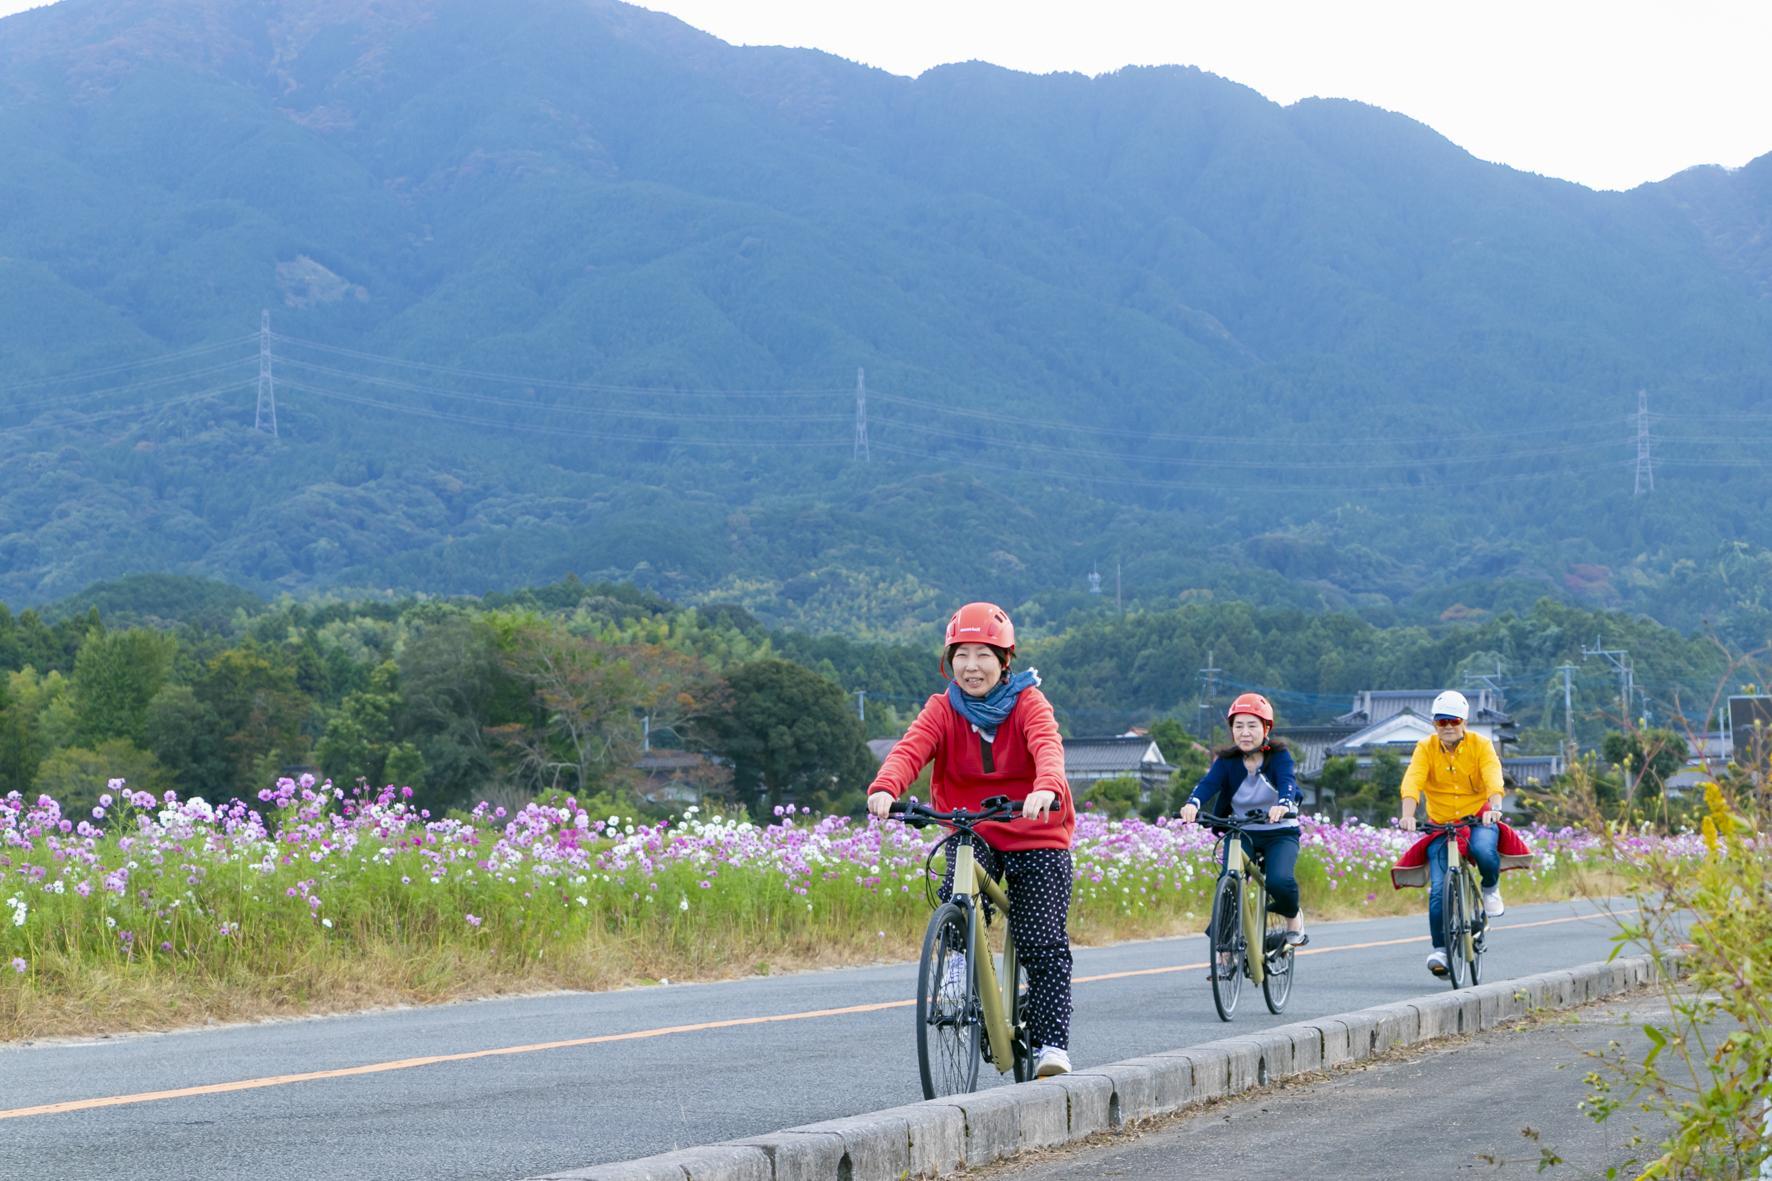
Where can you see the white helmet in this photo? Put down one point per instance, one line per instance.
(1452, 704)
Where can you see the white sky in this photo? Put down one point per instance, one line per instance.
(1609, 93)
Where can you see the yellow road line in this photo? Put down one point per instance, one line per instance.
(280, 1080)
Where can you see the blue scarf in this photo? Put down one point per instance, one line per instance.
(988, 712)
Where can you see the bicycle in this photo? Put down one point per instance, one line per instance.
(1241, 920)
(975, 1013)
(1461, 908)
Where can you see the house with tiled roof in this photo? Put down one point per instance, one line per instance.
(1397, 719)
(1136, 756)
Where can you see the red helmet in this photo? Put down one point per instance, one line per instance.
(1252, 703)
(981, 623)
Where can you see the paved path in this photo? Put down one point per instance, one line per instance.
(1495, 1107)
(515, 1088)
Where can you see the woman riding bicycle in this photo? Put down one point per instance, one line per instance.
(992, 733)
(1255, 773)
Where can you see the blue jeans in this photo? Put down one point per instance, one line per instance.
(1276, 851)
(1485, 853)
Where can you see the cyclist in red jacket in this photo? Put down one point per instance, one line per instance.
(992, 733)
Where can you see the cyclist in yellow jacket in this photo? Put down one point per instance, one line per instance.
(1460, 775)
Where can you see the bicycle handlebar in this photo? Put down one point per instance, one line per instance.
(1255, 816)
(1431, 826)
(918, 815)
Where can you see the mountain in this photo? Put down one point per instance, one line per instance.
(568, 286)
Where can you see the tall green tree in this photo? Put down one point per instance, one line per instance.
(116, 675)
(790, 736)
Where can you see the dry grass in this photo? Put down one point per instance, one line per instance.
(377, 971)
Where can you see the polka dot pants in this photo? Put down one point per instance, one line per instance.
(1039, 883)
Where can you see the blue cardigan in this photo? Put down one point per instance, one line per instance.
(1222, 779)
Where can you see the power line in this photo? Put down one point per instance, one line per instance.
(1460, 438)
(554, 383)
(145, 408)
(555, 407)
(1097, 477)
(1286, 464)
(565, 432)
(104, 370)
(67, 399)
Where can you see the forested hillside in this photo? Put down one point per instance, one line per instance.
(174, 683)
(564, 286)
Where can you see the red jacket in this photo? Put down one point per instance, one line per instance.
(1027, 756)
(1411, 868)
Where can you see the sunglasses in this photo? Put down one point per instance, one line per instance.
(1448, 721)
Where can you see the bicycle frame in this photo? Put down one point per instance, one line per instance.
(1467, 890)
(1253, 912)
(993, 991)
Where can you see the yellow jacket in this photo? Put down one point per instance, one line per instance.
(1457, 783)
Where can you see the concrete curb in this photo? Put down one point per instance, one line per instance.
(940, 1136)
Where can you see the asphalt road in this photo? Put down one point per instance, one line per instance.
(514, 1088)
(1504, 1106)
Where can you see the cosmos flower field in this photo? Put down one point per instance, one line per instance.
(313, 897)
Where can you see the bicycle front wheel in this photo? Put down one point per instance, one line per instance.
(948, 1016)
(1225, 934)
(1018, 1022)
(1276, 981)
(1479, 925)
(1457, 925)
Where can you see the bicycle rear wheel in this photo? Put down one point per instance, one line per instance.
(1276, 981)
(948, 1017)
(1457, 926)
(1225, 934)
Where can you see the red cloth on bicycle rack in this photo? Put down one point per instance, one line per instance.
(1411, 868)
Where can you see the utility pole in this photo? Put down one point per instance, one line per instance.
(264, 417)
(861, 417)
(1094, 580)
(1620, 660)
(1645, 464)
(1568, 714)
(1119, 603)
(1209, 681)
(861, 705)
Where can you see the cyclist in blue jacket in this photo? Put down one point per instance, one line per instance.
(1253, 773)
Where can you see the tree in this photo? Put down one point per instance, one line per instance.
(1187, 754)
(452, 689)
(116, 675)
(1645, 759)
(260, 714)
(587, 700)
(34, 720)
(76, 776)
(789, 734)
(184, 735)
(1116, 798)
(359, 735)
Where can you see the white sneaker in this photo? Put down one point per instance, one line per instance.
(1436, 962)
(1051, 1060)
(1492, 903)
